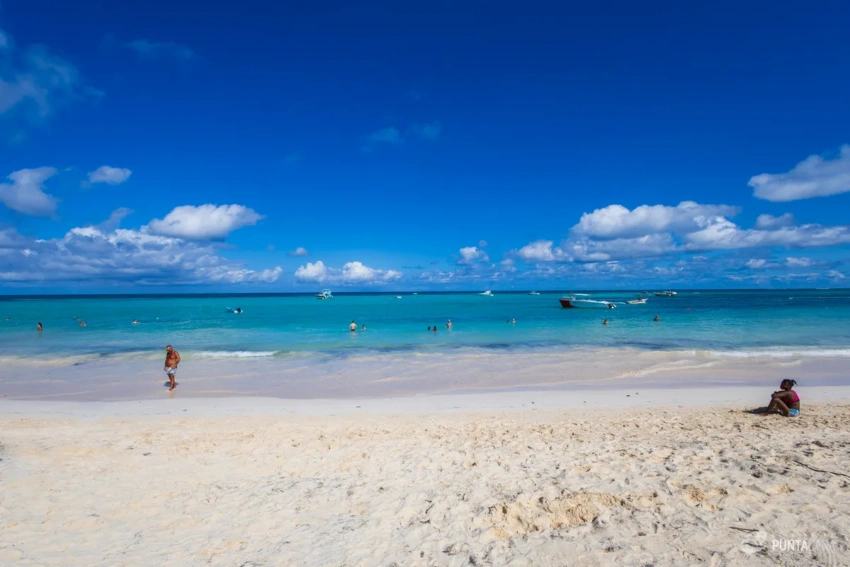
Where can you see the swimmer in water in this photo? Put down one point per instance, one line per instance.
(656, 319)
(363, 328)
(82, 323)
(429, 328)
(39, 326)
(353, 327)
(605, 322)
(449, 324)
(135, 322)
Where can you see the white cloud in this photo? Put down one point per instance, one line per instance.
(766, 222)
(351, 273)
(109, 175)
(812, 177)
(205, 222)
(541, 251)
(616, 221)
(836, 275)
(508, 265)
(315, 272)
(589, 250)
(722, 234)
(115, 218)
(147, 49)
(799, 262)
(471, 255)
(97, 255)
(25, 194)
(35, 81)
(300, 251)
(759, 263)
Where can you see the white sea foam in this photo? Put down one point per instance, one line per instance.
(782, 353)
(236, 353)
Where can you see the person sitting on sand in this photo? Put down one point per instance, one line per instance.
(785, 400)
(353, 327)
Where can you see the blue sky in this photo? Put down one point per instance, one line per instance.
(155, 146)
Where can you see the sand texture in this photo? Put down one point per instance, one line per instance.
(659, 486)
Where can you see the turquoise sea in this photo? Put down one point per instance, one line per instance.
(275, 325)
(297, 346)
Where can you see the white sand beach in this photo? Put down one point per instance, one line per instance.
(653, 477)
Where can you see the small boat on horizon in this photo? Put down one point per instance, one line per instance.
(533, 293)
(667, 293)
(570, 302)
(324, 294)
(486, 293)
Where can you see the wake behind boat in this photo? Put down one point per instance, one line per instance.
(570, 302)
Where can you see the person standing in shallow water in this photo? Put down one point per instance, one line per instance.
(39, 326)
(353, 327)
(172, 359)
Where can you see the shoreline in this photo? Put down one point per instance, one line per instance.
(397, 375)
(543, 401)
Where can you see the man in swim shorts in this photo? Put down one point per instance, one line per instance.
(172, 359)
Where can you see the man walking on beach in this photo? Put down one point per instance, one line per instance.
(172, 359)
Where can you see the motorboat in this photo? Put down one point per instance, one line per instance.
(665, 293)
(533, 293)
(486, 293)
(398, 297)
(570, 302)
(324, 294)
(638, 301)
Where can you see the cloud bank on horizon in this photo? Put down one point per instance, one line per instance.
(222, 174)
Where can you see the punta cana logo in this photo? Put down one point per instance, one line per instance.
(824, 550)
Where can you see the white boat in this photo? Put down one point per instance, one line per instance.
(639, 301)
(533, 293)
(486, 293)
(665, 293)
(324, 294)
(570, 302)
(398, 297)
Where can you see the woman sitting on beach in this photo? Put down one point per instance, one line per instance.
(786, 400)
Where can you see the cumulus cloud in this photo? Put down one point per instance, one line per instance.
(351, 273)
(616, 221)
(109, 175)
(300, 251)
(812, 177)
(767, 222)
(25, 194)
(147, 50)
(205, 222)
(799, 262)
(541, 251)
(115, 218)
(98, 255)
(723, 234)
(35, 81)
(471, 255)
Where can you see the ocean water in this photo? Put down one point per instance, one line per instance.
(737, 323)
(297, 346)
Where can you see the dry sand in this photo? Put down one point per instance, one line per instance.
(413, 482)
